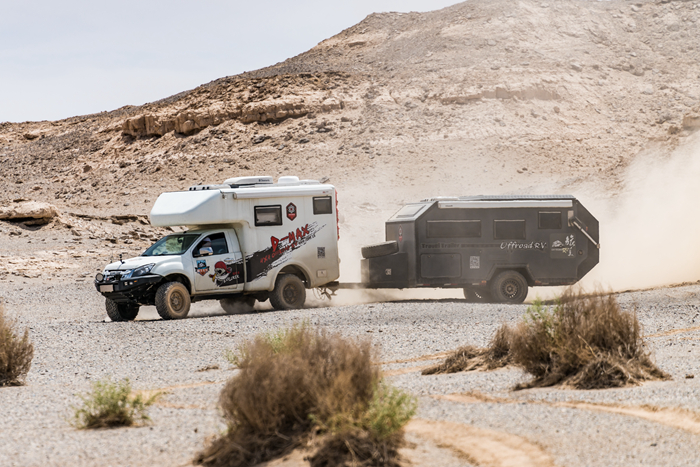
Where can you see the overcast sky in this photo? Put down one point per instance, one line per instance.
(64, 58)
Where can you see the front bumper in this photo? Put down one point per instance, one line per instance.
(141, 290)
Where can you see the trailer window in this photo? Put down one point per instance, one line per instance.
(454, 229)
(550, 220)
(268, 215)
(509, 230)
(323, 205)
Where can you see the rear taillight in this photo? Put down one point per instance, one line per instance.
(337, 216)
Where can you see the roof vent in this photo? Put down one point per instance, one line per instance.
(288, 180)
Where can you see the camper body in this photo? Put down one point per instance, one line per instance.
(248, 239)
(493, 247)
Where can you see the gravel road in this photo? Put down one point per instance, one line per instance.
(76, 344)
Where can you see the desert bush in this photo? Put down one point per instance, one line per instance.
(468, 358)
(300, 381)
(112, 404)
(584, 341)
(16, 352)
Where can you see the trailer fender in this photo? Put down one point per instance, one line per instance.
(523, 269)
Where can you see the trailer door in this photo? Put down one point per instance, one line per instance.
(218, 263)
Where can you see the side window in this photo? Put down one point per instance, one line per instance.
(268, 215)
(549, 220)
(454, 229)
(509, 230)
(323, 205)
(217, 242)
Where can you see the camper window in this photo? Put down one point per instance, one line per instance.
(550, 220)
(268, 215)
(454, 229)
(323, 205)
(509, 230)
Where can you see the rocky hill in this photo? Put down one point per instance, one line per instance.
(481, 97)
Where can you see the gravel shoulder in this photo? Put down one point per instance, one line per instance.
(76, 344)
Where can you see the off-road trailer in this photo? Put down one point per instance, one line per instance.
(493, 247)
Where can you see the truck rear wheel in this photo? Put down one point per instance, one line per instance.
(238, 305)
(173, 300)
(509, 287)
(121, 311)
(380, 249)
(289, 293)
(477, 295)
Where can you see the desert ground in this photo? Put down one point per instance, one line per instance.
(597, 99)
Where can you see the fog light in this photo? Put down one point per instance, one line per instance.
(99, 277)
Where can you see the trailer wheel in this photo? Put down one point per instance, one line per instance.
(289, 293)
(121, 311)
(239, 305)
(380, 249)
(509, 287)
(477, 295)
(173, 300)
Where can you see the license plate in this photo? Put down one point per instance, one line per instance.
(106, 288)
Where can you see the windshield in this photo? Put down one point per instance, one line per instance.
(171, 245)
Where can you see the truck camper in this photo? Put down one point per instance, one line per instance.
(248, 239)
(493, 247)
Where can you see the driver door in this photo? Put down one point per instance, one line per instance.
(218, 264)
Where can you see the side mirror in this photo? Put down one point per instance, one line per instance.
(206, 251)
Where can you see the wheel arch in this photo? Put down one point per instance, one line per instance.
(520, 269)
(297, 270)
(183, 279)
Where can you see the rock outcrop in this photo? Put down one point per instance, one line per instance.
(29, 212)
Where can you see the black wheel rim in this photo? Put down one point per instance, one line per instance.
(510, 289)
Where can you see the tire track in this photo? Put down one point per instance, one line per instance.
(487, 448)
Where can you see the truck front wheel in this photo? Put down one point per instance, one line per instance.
(289, 293)
(509, 287)
(173, 300)
(121, 311)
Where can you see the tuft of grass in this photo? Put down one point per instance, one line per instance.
(584, 341)
(469, 358)
(112, 404)
(16, 352)
(297, 382)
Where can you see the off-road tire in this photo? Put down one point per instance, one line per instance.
(477, 295)
(239, 305)
(289, 293)
(380, 249)
(173, 300)
(121, 311)
(509, 287)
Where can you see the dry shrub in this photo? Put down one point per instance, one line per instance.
(111, 405)
(585, 341)
(468, 358)
(291, 384)
(16, 352)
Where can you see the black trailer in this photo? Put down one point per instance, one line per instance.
(493, 247)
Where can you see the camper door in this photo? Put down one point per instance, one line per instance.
(218, 263)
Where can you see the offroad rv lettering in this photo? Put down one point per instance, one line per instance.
(524, 246)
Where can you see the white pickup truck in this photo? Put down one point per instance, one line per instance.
(249, 239)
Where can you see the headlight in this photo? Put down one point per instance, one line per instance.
(140, 271)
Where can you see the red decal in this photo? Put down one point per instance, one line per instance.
(305, 229)
(274, 243)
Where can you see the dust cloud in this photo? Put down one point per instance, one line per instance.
(650, 234)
